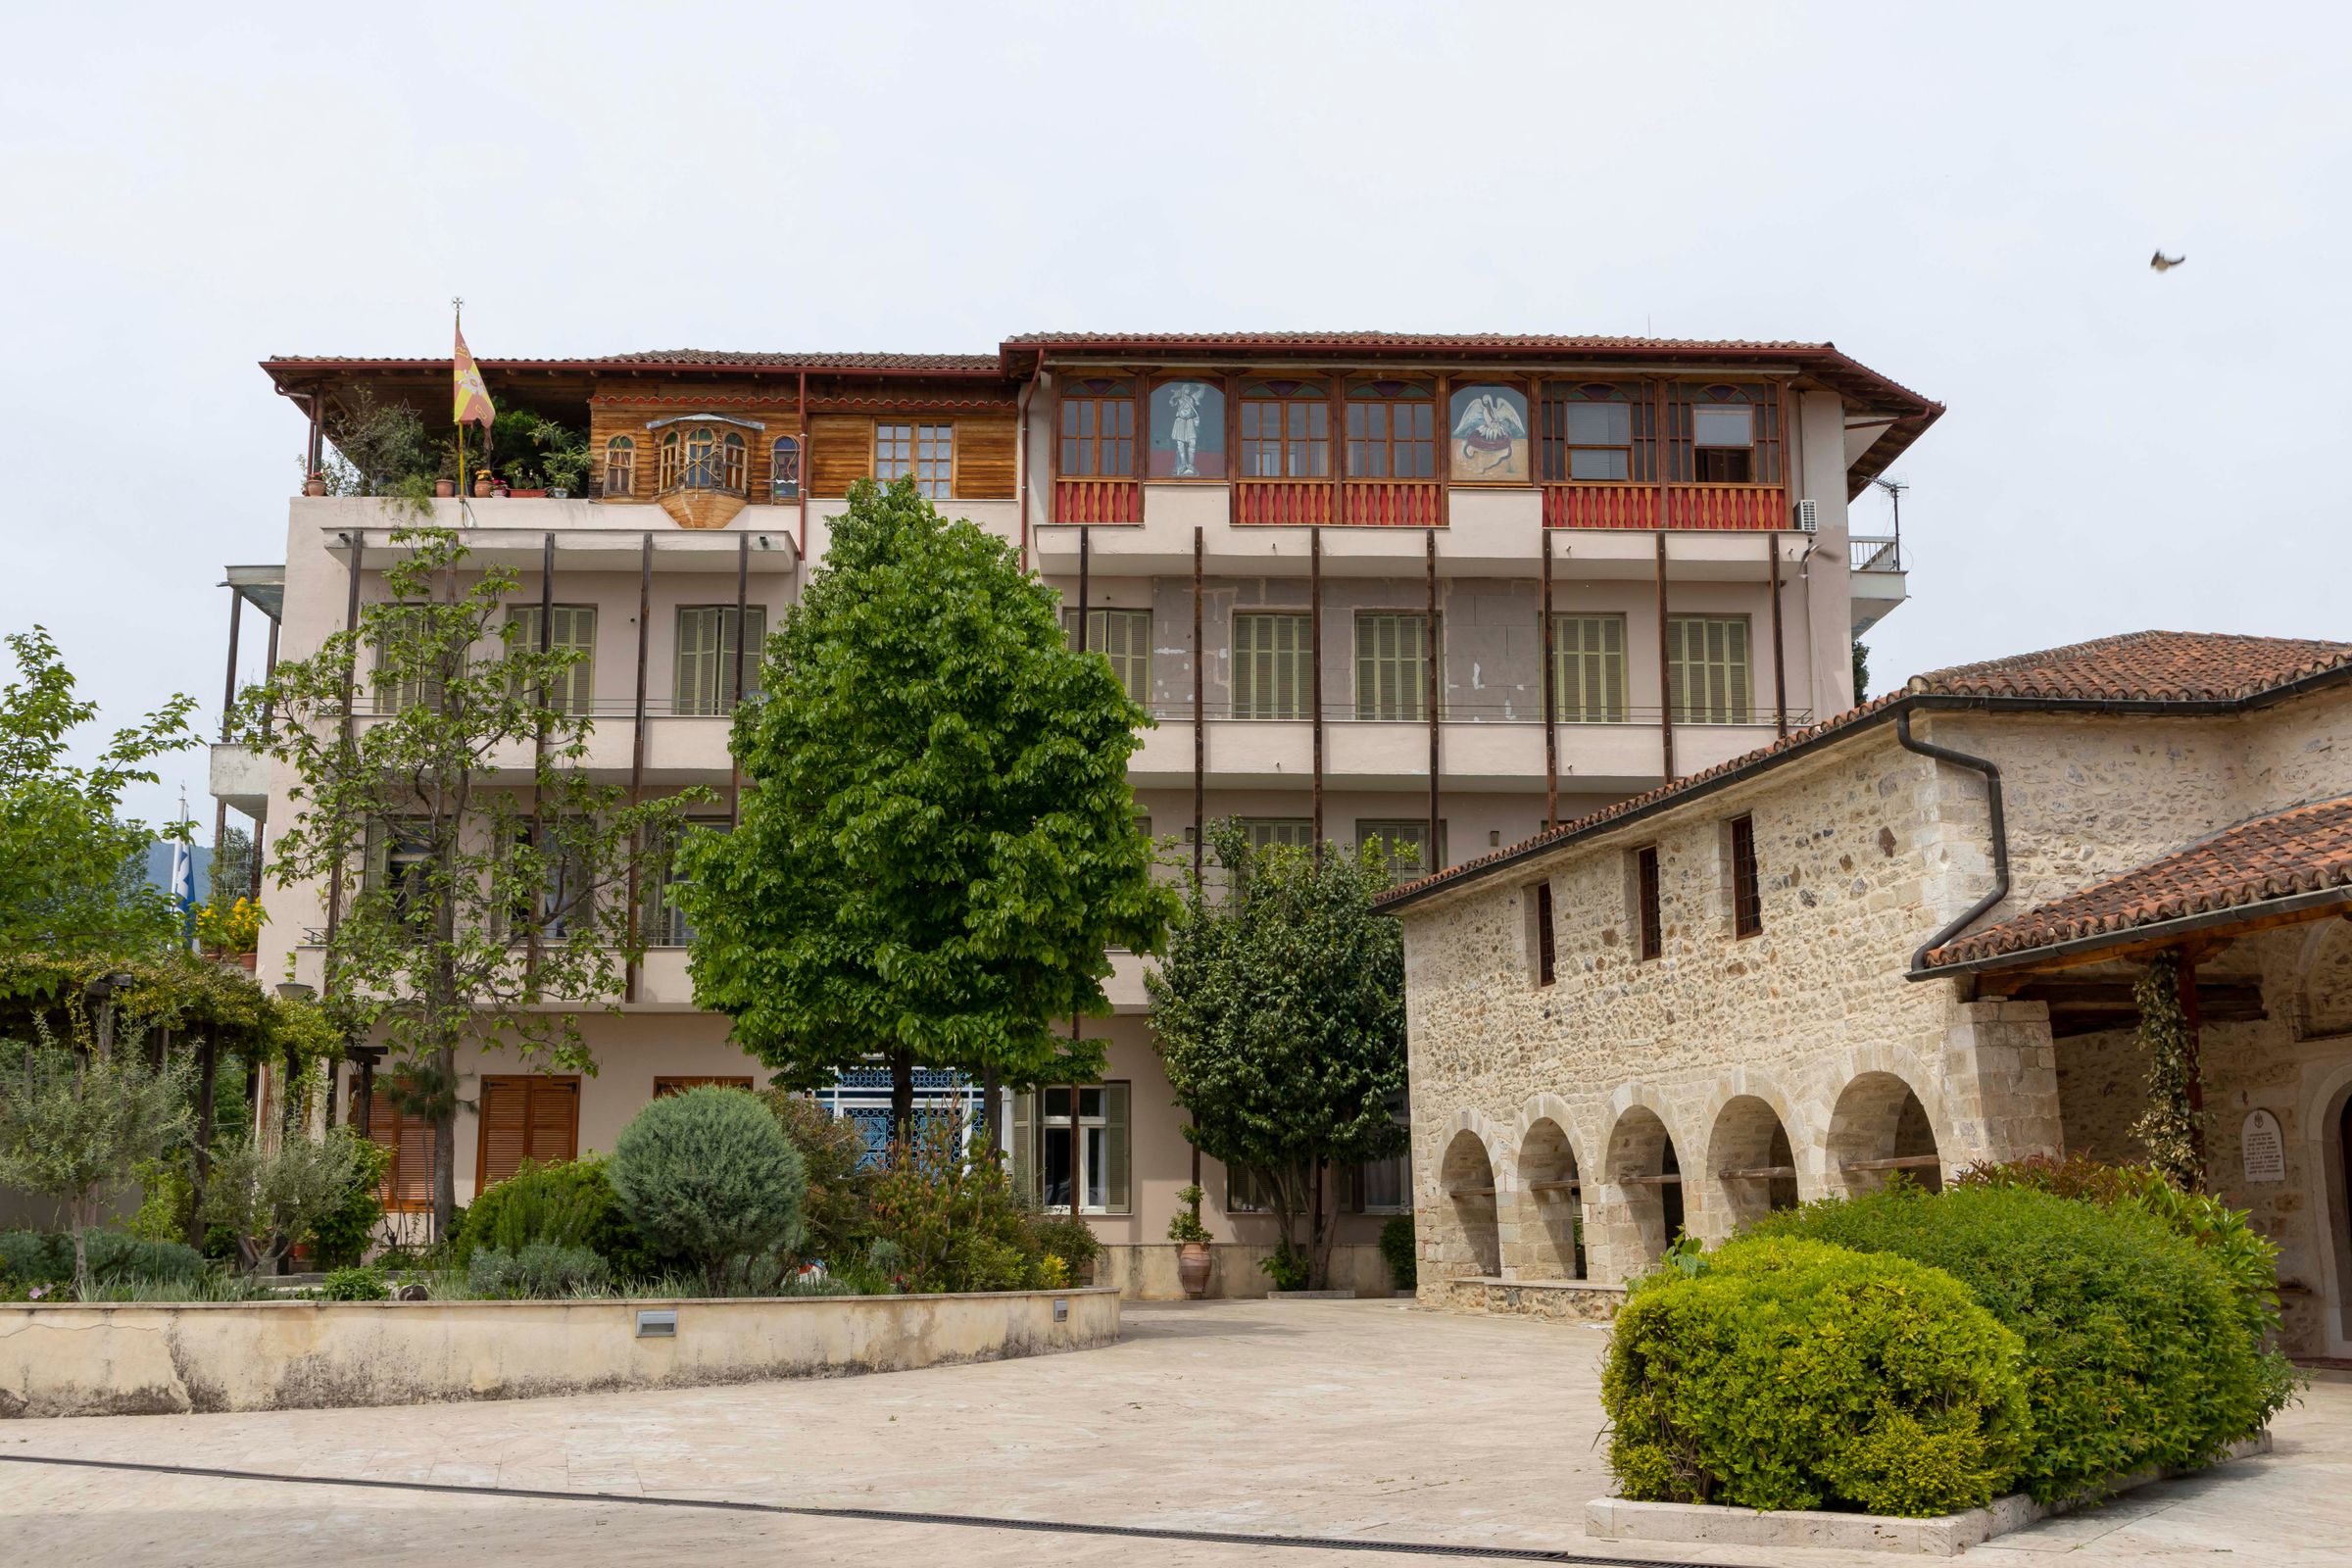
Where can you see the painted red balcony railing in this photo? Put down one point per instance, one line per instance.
(1389, 503)
(1293, 503)
(1698, 507)
(1098, 500)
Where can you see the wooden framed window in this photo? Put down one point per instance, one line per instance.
(1597, 432)
(1284, 832)
(925, 450)
(660, 923)
(1271, 652)
(1649, 928)
(1391, 665)
(664, 1087)
(784, 470)
(1707, 677)
(1082, 1161)
(1392, 430)
(399, 862)
(533, 1116)
(705, 660)
(564, 893)
(1547, 965)
(672, 462)
(409, 1180)
(1098, 430)
(1404, 841)
(1723, 433)
(701, 459)
(1248, 1190)
(1122, 636)
(402, 643)
(734, 465)
(1748, 899)
(1588, 669)
(573, 629)
(1286, 430)
(620, 467)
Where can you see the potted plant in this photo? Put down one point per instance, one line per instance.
(1191, 1243)
(444, 488)
(481, 484)
(566, 462)
(315, 484)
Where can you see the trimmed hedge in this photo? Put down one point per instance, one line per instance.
(35, 1258)
(2138, 1350)
(1794, 1374)
(562, 1204)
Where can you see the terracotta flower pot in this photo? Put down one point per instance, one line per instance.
(481, 485)
(315, 485)
(1191, 1269)
(445, 487)
(249, 962)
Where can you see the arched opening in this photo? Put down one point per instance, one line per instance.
(620, 467)
(1878, 1129)
(1469, 1241)
(784, 470)
(1751, 1166)
(1550, 1233)
(1645, 1170)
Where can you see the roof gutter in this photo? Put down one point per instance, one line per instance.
(1999, 831)
(2158, 932)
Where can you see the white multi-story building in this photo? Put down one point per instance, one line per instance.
(1444, 590)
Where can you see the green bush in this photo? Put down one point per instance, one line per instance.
(837, 1212)
(35, 1258)
(710, 1177)
(339, 1238)
(2137, 1347)
(540, 1271)
(566, 1203)
(1397, 1251)
(1069, 1238)
(1286, 1269)
(1792, 1374)
(949, 1220)
(353, 1285)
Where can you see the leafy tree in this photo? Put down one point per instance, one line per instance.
(62, 846)
(74, 1123)
(1861, 671)
(272, 1198)
(940, 843)
(710, 1176)
(501, 914)
(1280, 1016)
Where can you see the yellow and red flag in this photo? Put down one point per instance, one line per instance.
(473, 393)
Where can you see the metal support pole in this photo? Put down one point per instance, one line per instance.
(351, 621)
(1665, 672)
(1544, 633)
(645, 614)
(1433, 861)
(743, 593)
(1200, 716)
(1314, 672)
(1779, 657)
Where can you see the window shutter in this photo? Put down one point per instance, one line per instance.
(1024, 1145)
(840, 447)
(697, 639)
(555, 1119)
(1115, 1147)
(984, 459)
(506, 1117)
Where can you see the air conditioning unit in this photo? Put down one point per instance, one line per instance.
(1808, 516)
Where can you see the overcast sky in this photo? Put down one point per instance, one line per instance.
(1964, 199)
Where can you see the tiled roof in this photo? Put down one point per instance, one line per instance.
(680, 358)
(2152, 667)
(2306, 850)
(2146, 666)
(1510, 341)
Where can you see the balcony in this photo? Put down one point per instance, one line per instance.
(240, 776)
(679, 747)
(1097, 503)
(1699, 508)
(1879, 581)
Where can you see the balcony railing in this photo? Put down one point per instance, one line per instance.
(1098, 500)
(1390, 503)
(1877, 554)
(1292, 503)
(1634, 505)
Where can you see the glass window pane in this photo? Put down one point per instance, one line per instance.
(1597, 463)
(1723, 427)
(1600, 424)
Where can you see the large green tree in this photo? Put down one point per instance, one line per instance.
(939, 843)
(64, 846)
(473, 907)
(1279, 1014)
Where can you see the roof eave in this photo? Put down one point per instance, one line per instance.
(2154, 932)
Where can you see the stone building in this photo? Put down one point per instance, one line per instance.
(1906, 939)
(1437, 591)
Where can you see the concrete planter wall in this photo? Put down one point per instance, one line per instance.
(1565, 1300)
(103, 1359)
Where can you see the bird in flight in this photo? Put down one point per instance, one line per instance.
(2165, 263)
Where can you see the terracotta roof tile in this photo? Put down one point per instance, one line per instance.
(2157, 666)
(2145, 666)
(1517, 341)
(715, 358)
(2305, 850)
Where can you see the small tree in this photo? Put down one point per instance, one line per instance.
(468, 911)
(73, 1124)
(941, 843)
(710, 1177)
(62, 849)
(1280, 1017)
(272, 1198)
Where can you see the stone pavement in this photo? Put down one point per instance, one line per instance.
(1364, 1420)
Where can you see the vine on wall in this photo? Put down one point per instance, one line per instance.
(2168, 1128)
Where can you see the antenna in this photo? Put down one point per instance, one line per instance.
(1894, 489)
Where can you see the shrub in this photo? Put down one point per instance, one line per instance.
(947, 1219)
(1067, 1238)
(271, 1197)
(540, 1271)
(1185, 1226)
(39, 1258)
(838, 1209)
(566, 1203)
(353, 1285)
(339, 1238)
(1792, 1374)
(710, 1176)
(1397, 1251)
(2137, 1350)
(1286, 1269)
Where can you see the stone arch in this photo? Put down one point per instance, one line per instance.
(1641, 1207)
(1880, 1117)
(1547, 1241)
(2323, 981)
(1746, 1137)
(2327, 1138)
(1468, 1239)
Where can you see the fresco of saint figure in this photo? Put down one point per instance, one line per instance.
(1490, 435)
(1188, 431)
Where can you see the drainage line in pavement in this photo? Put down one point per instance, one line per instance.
(1221, 1538)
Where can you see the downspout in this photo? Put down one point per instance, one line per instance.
(1026, 463)
(2001, 832)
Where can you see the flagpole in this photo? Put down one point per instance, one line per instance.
(457, 424)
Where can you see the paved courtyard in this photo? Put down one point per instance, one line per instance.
(1362, 1421)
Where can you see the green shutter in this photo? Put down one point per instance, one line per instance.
(1588, 656)
(1707, 675)
(1117, 1146)
(1392, 666)
(1024, 1145)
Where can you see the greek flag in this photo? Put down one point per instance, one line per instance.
(183, 879)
